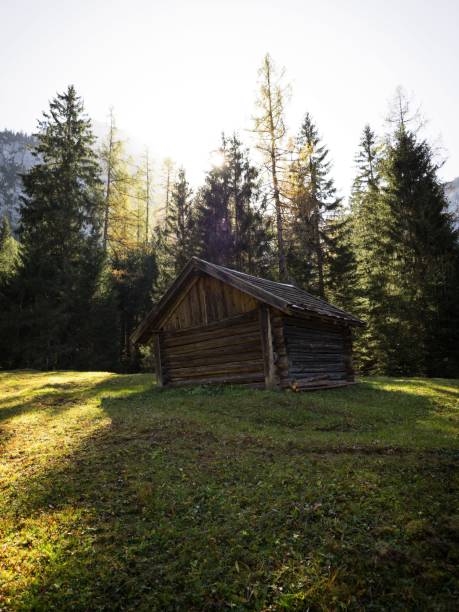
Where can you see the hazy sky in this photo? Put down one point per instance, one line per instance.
(178, 72)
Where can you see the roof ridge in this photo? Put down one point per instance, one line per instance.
(332, 307)
(283, 296)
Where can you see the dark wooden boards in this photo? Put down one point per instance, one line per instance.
(317, 353)
(158, 360)
(229, 351)
(271, 380)
(205, 300)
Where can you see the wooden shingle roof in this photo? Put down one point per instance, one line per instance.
(285, 297)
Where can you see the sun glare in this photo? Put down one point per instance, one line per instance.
(217, 158)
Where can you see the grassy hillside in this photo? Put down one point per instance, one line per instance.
(116, 495)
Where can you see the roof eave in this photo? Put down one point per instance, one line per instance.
(350, 320)
(143, 331)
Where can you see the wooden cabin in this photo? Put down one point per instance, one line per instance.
(215, 325)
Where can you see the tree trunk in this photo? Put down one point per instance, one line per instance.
(283, 273)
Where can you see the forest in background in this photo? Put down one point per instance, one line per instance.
(90, 258)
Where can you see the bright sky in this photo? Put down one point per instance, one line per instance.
(179, 72)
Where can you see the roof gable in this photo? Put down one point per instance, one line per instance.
(287, 298)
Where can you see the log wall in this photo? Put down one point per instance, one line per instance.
(316, 351)
(227, 351)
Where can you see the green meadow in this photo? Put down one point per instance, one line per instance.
(117, 495)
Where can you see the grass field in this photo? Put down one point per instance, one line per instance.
(115, 495)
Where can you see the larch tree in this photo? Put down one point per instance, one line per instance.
(120, 226)
(143, 196)
(167, 181)
(271, 131)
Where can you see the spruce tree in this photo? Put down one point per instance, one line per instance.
(315, 229)
(232, 224)
(60, 239)
(134, 274)
(179, 223)
(214, 219)
(250, 222)
(423, 254)
(370, 217)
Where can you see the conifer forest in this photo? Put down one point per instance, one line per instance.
(93, 248)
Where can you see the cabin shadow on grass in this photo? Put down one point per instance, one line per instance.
(215, 498)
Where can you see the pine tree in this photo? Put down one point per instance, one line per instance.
(270, 128)
(60, 239)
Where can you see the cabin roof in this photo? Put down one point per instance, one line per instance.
(285, 297)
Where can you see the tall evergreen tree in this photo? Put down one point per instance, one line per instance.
(370, 218)
(134, 273)
(179, 223)
(250, 222)
(423, 253)
(60, 239)
(314, 231)
(214, 219)
(232, 222)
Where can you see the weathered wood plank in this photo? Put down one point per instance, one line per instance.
(247, 328)
(239, 339)
(217, 380)
(215, 325)
(158, 361)
(216, 369)
(229, 356)
(267, 347)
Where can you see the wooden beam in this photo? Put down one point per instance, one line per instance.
(158, 362)
(267, 347)
(202, 296)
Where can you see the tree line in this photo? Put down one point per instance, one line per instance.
(91, 257)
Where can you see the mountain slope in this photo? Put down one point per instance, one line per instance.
(15, 158)
(452, 193)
